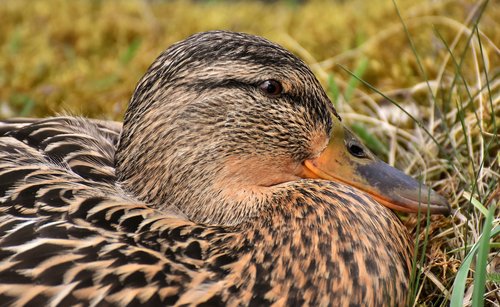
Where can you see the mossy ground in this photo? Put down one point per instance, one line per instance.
(84, 57)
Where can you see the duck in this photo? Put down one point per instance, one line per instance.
(231, 182)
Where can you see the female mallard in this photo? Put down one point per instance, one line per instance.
(213, 193)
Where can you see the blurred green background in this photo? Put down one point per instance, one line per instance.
(85, 57)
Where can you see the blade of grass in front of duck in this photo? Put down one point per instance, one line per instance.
(482, 259)
(427, 230)
(413, 275)
(457, 294)
(417, 264)
(424, 248)
(426, 235)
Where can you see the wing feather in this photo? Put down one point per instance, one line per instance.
(68, 227)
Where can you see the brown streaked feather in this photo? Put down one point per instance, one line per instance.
(82, 241)
(75, 229)
(86, 147)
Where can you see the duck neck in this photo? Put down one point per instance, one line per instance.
(203, 193)
(312, 246)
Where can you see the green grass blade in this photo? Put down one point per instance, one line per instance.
(493, 277)
(457, 296)
(130, 52)
(482, 259)
(333, 90)
(369, 139)
(24, 103)
(414, 277)
(354, 80)
(476, 203)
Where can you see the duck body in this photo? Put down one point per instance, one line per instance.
(71, 235)
(85, 220)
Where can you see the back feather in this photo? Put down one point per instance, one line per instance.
(69, 234)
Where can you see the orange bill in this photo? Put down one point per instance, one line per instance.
(348, 161)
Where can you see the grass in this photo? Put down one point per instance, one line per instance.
(417, 80)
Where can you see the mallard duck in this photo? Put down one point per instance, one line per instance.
(231, 182)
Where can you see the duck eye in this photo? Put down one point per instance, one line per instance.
(271, 88)
(356, 150)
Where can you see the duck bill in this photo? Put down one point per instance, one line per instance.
(386, 184)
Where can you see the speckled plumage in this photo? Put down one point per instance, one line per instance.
(163, 213)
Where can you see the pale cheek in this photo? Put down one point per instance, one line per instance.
(254, 172)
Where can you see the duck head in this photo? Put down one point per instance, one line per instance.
(221, 120)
